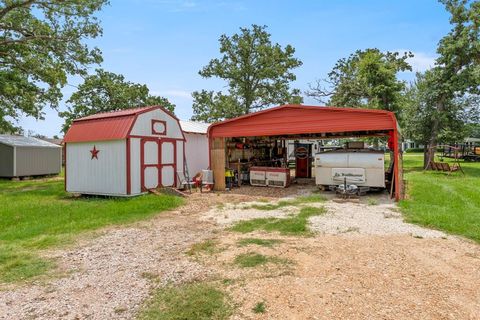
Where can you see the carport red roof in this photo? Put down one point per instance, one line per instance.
(300, 119)
(105, 126)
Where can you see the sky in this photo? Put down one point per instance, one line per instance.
(164, 43)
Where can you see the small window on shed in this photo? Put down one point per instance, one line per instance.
(159, 127)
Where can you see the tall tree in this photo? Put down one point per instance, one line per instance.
(366, 79)
(41, 43)
(453, 124)
(258, 74)
(456, 74)
(106, 91)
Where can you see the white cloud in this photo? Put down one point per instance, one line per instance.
(182, 94)
(421, 61)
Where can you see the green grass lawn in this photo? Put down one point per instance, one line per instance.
(39, 214)
(440, 201)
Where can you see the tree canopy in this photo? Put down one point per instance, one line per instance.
(366, 79)
(41, 44)
(258, 74)
(448, 92)
(106, 91)
(454, 123)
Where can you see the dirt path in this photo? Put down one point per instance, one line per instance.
(353, 276)
(350, 272)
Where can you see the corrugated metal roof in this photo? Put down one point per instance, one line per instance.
(107, 126)
(194, 127)
(104, 126)
(300, 119)
(21, 141)
(98, 129)
(119, 113)
(53, 140)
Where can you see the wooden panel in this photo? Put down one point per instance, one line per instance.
(218, 163)
(151, 177)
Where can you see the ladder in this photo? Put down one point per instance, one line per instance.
(187, 174)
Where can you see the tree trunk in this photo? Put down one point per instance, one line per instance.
(425, 156)
(431, 147)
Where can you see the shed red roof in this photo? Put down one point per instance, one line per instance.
(105, 126)
(119, 113)
(301, 119)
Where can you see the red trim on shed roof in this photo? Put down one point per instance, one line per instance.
(118, 113)
(300, 119)
(107, 125)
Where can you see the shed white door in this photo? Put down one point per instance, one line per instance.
(158, 163)
(150, 161)
(168, 162)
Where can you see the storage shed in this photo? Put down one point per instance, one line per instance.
(124, 152)
(26, 156)
(298, 122)
(196, 146)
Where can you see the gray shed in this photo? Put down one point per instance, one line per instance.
(26, 156)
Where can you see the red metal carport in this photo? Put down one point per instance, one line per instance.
(300, 121)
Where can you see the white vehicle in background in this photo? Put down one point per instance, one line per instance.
(352, 170)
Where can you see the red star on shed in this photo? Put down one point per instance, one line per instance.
(94, 152)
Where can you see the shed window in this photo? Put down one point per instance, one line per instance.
(159, 127)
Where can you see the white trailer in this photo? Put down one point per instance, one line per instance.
(363, 168)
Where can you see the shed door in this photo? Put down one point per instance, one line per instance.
(158, 163)
(150, 164)
(168, 152)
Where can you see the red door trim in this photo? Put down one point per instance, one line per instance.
(64, 154)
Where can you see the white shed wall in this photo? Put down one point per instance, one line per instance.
(135, 180)
(180, 157)
(143, 125)
(105, 175)
(196, 152)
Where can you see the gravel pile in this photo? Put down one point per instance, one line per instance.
(383, 219)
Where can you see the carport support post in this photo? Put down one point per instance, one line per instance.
(397, 166)
(217, 162)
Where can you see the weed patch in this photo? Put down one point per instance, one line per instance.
(259, 242)
(259, 307)
(207, 246)
(285, 203)
(295, 225)
(253, 259)
(191, 301)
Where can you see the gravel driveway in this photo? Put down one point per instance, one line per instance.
(363, 263)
